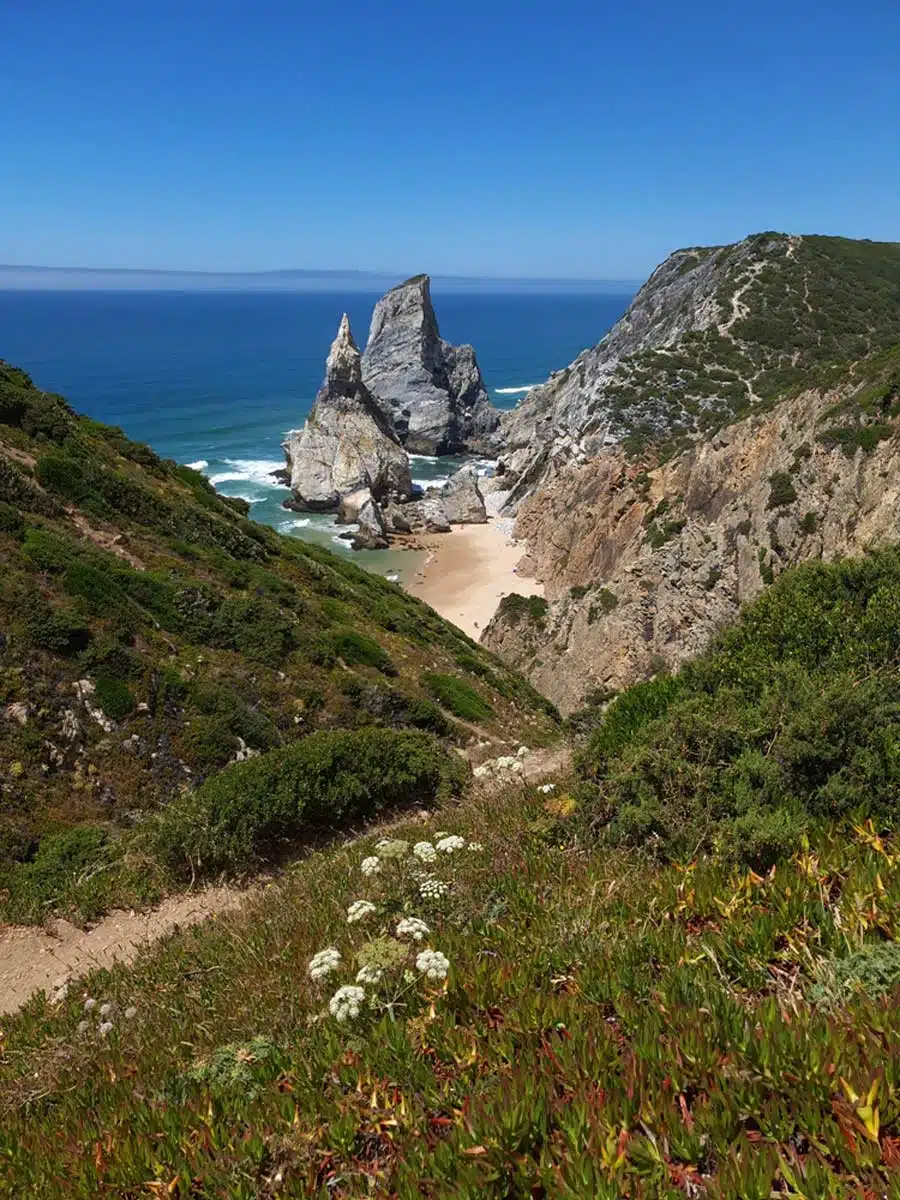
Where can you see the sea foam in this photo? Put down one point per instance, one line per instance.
(248, 470)
(515, 391)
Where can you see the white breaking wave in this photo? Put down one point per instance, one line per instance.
(514, 391)
(296, 523)
(200, 465)
(429, 458)
(248, 470)
(424, 484)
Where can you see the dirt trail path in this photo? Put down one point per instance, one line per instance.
(34, 958)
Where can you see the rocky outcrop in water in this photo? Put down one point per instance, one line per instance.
(431, 393)
(346, 444)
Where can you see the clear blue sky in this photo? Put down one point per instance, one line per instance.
(472, 136)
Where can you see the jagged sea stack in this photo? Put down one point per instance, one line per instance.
(431, 392)
(346, 445)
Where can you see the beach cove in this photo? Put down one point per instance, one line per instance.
(468, 571)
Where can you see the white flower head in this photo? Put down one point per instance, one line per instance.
(130, 1012)
(546, 788)
(324, 962)
(105, 1010)
(370, 865)
(441, 834)
(424, 852)
(392, 848)
(83, 1026)
(346, 1002)
(451, 843)
(413, 927)
(359, 910)
(433, 889)
(433, 964)
(90, 1004)
(105, 1028)
(369, 974)
(475, 847)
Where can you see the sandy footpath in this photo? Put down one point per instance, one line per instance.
(468, 570)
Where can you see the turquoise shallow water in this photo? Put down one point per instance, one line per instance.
(217, 379)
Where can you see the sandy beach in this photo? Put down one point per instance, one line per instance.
(468, 571)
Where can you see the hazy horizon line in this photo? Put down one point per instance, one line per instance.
(31, 276)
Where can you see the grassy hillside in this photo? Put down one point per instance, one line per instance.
(509, 1006)
(152, 635)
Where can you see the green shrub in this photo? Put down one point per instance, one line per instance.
(114, 697)
(324, 781)
(358, 649)
(424, 714)
(809, 523)
(873, 970)
(792, 716)
(11, 520)
(515, 609)
(781, 490)
(457, 696)
(62, 865)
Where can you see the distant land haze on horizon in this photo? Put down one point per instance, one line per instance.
(33, 278)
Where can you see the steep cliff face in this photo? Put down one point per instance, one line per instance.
(346, 445)
(432, 393)
(715, 334)
(642, 567)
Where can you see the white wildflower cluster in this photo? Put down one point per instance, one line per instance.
(450, 843)
(503, 767)
(370, 865)
(433, 964)
(105, 1012)
(442, 833)
(389, 848)
(547, 788)
(346, 1002)
(433, 889)
(359, 910)
(412, 927)
(475, 847)
(324, 963)
(369, 974)
(424, 852)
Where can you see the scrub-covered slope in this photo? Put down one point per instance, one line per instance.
(152, 635)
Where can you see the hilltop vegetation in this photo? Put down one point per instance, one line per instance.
(153, 635)
(778, 314)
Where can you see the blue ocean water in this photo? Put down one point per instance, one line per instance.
(217, 379)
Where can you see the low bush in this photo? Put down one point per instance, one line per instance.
(458, 696)
(114, 697)
(358, 649)
(792, 717)
(516, 608)
(321, 782)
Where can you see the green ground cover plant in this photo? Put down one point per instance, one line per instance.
(519, 1014)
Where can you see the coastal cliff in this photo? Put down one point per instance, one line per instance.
(431, 392)
(740, 418)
